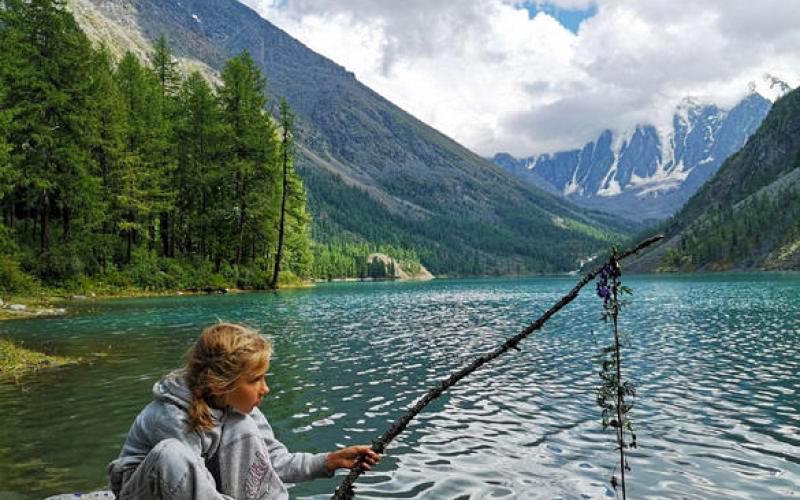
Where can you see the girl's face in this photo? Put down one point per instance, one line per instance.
(247, 395)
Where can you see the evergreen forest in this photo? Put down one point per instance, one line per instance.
(749, 236)
(123, 174)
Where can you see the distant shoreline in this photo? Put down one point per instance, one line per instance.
(54, 305)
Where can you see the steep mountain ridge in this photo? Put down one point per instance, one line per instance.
(748, 215)
(647, 173)
(124, 34)
(373, 172)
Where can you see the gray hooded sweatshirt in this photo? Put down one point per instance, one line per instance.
(166, 418)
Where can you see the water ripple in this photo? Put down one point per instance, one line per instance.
(715, 360)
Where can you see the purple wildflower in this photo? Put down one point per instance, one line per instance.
(603, 290)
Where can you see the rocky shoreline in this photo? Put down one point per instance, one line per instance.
(14, 310)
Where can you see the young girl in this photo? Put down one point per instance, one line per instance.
(204, 437)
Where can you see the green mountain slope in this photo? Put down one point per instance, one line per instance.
(373, 172)
(748, 215)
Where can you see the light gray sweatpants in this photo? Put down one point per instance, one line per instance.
(173, 471)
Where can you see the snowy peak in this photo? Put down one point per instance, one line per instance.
(647, 173)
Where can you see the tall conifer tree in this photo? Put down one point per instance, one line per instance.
(201, 137)
(140, 197)
(107, 137)
(286, 154)
(165, 68)
(252, 162)
(7, 179)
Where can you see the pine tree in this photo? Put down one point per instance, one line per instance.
(139, 197)
(107, 143)
(201, 137)
(164, 67)
(99, 164)
(252, 163)
(7, 173)
(298, 256)
(7, 246)
(7, 178)
(286, 158)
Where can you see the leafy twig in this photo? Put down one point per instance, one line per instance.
(613, 390)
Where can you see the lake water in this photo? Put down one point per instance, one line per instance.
(716, 360)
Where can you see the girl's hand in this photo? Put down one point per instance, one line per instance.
(347, 458)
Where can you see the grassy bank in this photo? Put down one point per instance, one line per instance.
(16, 361)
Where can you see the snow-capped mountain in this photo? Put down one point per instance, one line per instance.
(647, 173)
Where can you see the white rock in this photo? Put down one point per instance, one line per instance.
(17, 307)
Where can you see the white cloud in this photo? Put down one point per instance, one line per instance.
(486, 74)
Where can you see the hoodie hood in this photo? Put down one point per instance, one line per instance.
(173, 389)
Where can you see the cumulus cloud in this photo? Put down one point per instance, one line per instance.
(487, 74)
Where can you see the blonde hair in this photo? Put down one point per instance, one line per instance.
(223, 354)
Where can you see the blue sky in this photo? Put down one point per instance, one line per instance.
(570, 18)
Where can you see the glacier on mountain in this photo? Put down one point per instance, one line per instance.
(648, 172)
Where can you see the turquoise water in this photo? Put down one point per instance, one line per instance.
(715, 359)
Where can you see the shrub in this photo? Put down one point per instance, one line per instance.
(13, 279)
(59, 264)
(145, 270)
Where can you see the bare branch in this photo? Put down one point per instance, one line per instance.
(345, 490)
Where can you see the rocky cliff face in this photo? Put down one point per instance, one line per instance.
(649, 173)
(402, 271)
(747, 216)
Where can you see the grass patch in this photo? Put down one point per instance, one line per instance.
(591, 231)
(16, 361)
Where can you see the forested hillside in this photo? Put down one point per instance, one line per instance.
(748, 215)
(375, 175)
(118, 174)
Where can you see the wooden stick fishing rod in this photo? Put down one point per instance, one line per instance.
(345, 490)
